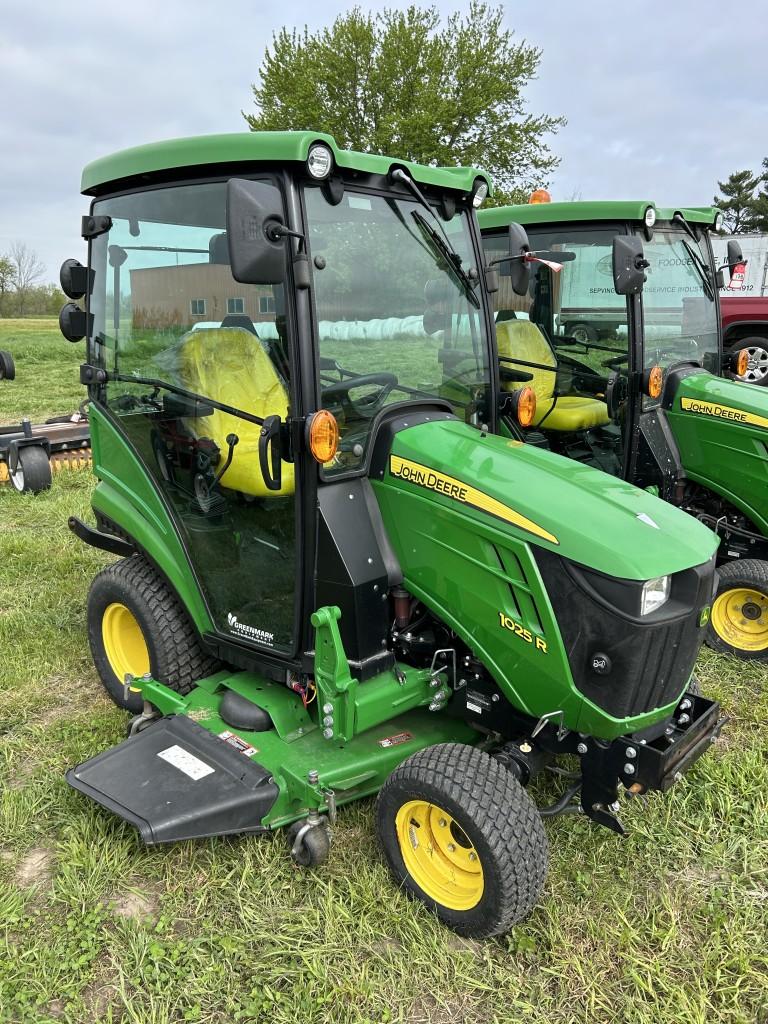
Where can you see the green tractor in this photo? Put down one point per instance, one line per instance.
(337, 578)
(619, 336)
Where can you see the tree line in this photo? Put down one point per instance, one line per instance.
(744, 201)
(21, 292)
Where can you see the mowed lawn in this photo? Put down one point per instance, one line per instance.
(669, 924)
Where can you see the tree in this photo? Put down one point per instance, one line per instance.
(6, 282)
(401, 83)
(757, 216)
(27, 269)
(736, 201)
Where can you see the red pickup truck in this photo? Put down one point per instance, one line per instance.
(745, 325)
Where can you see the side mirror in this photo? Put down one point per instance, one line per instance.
(254, 220)
(75, 279)
(629, 264)
(735, 255)
(74, 324)
(519, 271)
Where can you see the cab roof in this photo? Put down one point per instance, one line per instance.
(214, 151)
(625, 210)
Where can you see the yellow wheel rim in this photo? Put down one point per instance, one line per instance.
(740, 618)
(439, 855)
(124, 643)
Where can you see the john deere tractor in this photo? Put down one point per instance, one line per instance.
(619, 336)
(335, 578)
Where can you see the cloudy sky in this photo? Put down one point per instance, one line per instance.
(662, 98)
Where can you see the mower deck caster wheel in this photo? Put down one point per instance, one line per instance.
(138, 723)
(310, 844)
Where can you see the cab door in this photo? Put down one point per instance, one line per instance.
(196, 362)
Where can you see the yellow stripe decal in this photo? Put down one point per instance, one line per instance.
(722, 412)
(415, 473)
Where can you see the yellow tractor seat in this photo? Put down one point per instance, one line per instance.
(523, 339)
(232, 365)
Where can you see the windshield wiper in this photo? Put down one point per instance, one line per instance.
(701, 270)
(443, 243)
(449, 256)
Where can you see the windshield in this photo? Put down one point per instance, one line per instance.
(399, 312)
(679, 305)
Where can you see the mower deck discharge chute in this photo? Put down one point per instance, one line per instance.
(338, 579)
(620, 336)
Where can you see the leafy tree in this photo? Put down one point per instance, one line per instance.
(402, 83)
(736, 201)
(27, 270)
(757, 216)
(6, 282)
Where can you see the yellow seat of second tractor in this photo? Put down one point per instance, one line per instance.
(522, 339)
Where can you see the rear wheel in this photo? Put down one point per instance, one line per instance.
(33, 470)
(757, 368)
(739, 620)
(461, 834)
(137, 625)
(7, 366)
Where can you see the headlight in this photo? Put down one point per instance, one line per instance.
(650, 217)
(480, 194)
(655, 593)
(718, 225)
(319, 161)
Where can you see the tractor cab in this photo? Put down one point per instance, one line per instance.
(621, 296)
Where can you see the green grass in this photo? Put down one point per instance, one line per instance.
(669, 924)
(47, 376)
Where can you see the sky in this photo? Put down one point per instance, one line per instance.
(662, 98)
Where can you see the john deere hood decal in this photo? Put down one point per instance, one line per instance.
(416, 473)
(722, 412)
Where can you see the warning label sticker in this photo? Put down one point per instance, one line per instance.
(238, 743)
(189, 764)
(394, 741)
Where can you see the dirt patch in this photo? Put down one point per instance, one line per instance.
(468, 1009)
(97, 998)
(36, 868)
(137, 906)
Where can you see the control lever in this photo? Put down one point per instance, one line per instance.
(232, 440)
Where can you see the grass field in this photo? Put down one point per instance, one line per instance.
(669, 924)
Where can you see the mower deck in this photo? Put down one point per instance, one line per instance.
(192, 774)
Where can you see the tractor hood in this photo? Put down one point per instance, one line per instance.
(721, 430)
(581, 513)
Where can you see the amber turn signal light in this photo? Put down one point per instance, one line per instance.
(323, 435)
(652, 381)
(741, 363)
(540, 195)
(525, 408)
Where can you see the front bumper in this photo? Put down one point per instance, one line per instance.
(656, 762)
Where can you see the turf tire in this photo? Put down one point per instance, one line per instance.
(496, 814)
(176, 656)
(7, 366)
(744, 572)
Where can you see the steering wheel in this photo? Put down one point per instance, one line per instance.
(615, 362)
(369, 405)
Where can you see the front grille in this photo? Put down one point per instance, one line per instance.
(650, 662)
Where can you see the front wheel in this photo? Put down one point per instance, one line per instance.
(461, 834)
(739, 621)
